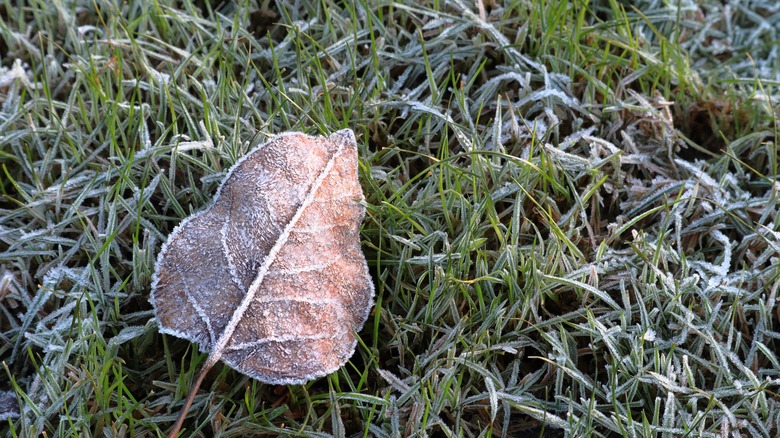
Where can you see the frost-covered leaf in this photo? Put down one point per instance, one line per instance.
(271, 279)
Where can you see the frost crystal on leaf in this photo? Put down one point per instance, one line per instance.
(271, 279)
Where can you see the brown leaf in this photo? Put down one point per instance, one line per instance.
(270, 278)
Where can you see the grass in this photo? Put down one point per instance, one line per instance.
(572, 211)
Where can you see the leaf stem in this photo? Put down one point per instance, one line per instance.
(190, 398)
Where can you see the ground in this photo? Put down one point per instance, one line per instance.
(572, 211)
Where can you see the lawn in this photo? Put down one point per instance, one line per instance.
(572, 211)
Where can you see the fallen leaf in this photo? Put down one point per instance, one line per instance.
(270, 278)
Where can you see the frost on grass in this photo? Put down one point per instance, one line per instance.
(547, 252)
(9, 407)
(718, 34)
(271, 278)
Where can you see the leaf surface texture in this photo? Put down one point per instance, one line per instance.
(270, 278)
